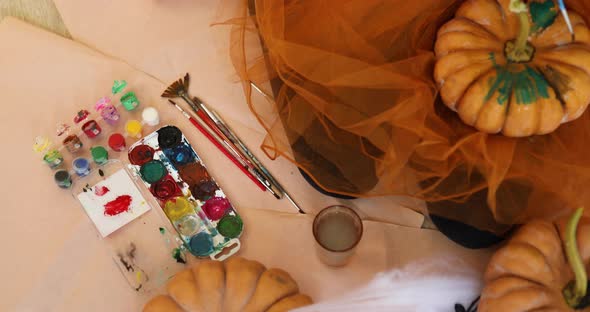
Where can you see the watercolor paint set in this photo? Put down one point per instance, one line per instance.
(194, 203)
(128, 220)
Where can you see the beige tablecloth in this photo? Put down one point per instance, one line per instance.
(54, 260)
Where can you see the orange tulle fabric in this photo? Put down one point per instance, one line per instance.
(350, 98)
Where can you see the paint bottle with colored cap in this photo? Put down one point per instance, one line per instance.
(72, 143)
(51, 156)
(107, 110)
(63, 179)
(91, 129)
(133, 128)
(81, 166)
(117, 142)
(150, 116)
(99, 154)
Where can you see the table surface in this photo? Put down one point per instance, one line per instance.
(57, 263)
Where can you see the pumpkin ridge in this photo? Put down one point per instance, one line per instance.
(555, 89)
(549, 60)
(500, 269)
(480, 26)
(461, 67)
(474, 81)
(490, 284)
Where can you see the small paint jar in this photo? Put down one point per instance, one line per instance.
(63, 179)
(41, 144)
(107, 111)
(133, 128)
(72, 143)
(141, 154)
(150, 116)
(91, 129)
(81, 166)
(117, 142)
(99, 154)
(53, 159)
(129, 101)
(81, 116)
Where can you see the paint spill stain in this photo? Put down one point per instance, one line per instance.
(177, 255)
(101, 190)
(162, 231)
(118, 205)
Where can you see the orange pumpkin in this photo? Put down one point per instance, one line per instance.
(531, 271)
(520, 73)
(234, 285)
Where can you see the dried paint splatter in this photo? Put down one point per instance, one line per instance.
(118, 205)
(162, 231)
(101, 190)
(177, 254)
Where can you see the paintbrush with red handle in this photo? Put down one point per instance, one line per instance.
(212, 136)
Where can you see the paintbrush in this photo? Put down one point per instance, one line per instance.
(217, 142)
(180, 89)
(252, 158)
(566, 17)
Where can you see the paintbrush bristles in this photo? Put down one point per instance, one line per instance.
(177, 88)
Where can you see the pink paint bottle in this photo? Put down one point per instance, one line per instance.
(107, 110)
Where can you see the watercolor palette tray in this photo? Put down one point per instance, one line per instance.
(142, 242)
(191, 199)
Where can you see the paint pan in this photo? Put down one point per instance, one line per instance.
(141, 154)
(202, 244)
(91, 129)
(133, 128)
(150, 116)
(166, 189)
(81, 166)
(169, 137)
(216, 207)
(129, 101)
(178, 208)
(152, 171)
(72, 143)
(230, 226)
(180, 155)
(99, 155)
(117, 142)
(63, 179)
(107, 111)
(200, 212)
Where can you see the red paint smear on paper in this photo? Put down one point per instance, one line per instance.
(101, 190)
(119, 205)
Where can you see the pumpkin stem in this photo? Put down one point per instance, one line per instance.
(574, 292)
(520, 50)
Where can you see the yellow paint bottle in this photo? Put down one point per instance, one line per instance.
(133, 128)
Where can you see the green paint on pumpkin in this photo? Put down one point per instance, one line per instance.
(543, 14)
(528, 85)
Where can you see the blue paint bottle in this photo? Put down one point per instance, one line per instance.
(81, 166)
